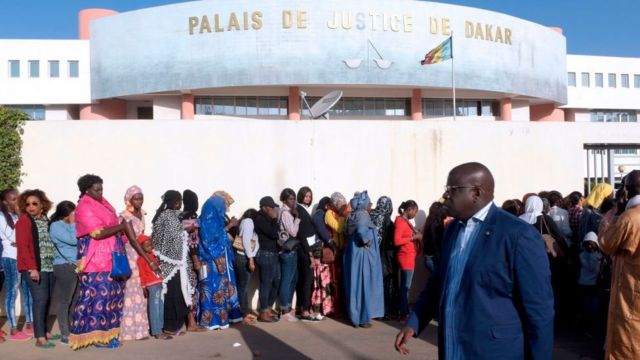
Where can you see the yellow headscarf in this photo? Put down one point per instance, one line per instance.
(599, 193)
(228, 200)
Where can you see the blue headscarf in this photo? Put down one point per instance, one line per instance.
(360, 201)
(359, 216)
(213, 238)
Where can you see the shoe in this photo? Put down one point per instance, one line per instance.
(113, 344)
(266, 318)
(28, 329)
(365, 326)
(55, 337)
(163, 337)
(176, 333)
(197, 329)
(309, 318)
(289, 317)
(20, 336)
(2, 333)
(47, 345)
(64, 340)
(319, 317)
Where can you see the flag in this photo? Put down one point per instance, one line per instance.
(439, 53)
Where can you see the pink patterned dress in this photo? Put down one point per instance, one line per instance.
(135, 322)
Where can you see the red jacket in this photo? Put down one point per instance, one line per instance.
(147, 276)
(406, 247)
(27, 244)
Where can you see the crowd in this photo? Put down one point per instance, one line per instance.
(112, 279)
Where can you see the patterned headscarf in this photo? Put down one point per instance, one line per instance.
(599, 193)
(214, 240)
(383, 210)
(131, 192)
(228, 200)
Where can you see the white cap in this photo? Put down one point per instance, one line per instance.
(591, 236)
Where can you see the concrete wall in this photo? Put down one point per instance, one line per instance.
(254, 158)
(166, 107)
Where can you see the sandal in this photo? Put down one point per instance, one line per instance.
(197, 329)
(55, 337)
(163, 337)
(177, 333)
(47, 345)
(248, 320)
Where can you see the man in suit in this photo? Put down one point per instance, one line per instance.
(492, 290)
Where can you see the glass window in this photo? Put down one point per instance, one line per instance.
(636, 81)
(585, 79)
(612, 80)
(624, 80)
(571, 79)
(252, 106)
(223, 105)
(433, 107)
(203, 106)
(614, 116)
(14, 68)
(599, 80)
(34, 68)
(487, 108)
(74, 68)
(54, 68)
(35, 112)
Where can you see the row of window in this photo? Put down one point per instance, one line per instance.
(614, 116)
(35, 112)
(612, 80)
(73, 68)
(466, 107)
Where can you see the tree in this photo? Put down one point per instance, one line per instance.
(11, 124)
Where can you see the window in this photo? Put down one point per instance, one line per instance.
(366, 107)
(636, 81)
(241, 105)
(14, 68)
(585, 79)
(612, 80)
(465, 107)
(74, 68)
(54, 68)
(614, 116)
(624, 80)
(35, 112)
(599, 80)
(571, 79)
(34, 68)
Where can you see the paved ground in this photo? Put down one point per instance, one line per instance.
(328, 339)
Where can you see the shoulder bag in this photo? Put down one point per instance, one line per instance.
(551, 245)
(120, 268)
(285, 241)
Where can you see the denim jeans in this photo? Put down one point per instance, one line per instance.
(13, 281)
(64, 295)
(288, 279)
(156, 309)
(241, 267)
(405, 284)
(269, 278)
(41, 292)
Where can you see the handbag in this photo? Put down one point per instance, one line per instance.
(551, 245)
(119, 263)
(328, 255)
(285, 241)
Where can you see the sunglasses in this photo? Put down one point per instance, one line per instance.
(453, 188)
(33, 204)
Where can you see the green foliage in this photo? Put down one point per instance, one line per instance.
(11, 123)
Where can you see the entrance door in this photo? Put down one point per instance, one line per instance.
(145, 112)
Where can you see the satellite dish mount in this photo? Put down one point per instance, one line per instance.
(321, 108)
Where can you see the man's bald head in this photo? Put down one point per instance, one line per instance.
(476, 174)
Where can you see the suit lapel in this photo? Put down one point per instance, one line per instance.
(483, 235)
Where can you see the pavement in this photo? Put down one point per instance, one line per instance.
(328, 339)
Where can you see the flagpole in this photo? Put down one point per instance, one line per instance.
(453, 79)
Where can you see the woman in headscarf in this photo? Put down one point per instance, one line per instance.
(362, 268)
(170, 246)
(381, 218)
(98, 310)
(335, 221)
(591, 215)
(191, 224)
(135, 322)
(219, 303)
(322, 296)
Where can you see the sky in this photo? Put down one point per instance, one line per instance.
(592, 27)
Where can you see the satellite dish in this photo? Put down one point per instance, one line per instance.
(322, 106)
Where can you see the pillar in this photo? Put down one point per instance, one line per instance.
(86, 16)
(294, 103)
(187, 110)
(416, 104)
(505, 109)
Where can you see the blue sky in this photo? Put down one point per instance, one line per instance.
(592, 27)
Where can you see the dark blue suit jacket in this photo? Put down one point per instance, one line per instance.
(504, 305)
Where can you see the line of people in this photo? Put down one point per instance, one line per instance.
(192, 271)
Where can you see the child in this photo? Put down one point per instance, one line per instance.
(590, 260)
(152, 287)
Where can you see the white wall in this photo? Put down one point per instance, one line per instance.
(520, 110)
(593, 97)
(44, 89)
(167, 107)
(254, 158)
(56, 112)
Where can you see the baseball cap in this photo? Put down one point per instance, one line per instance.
(268, 202)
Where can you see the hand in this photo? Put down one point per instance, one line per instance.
(367, 244)
(417, 236)
(252, 265)
(294, 212)
(145, 291)
(401, 340)
(156, 269)
(34, 275)
(232, 223)
(197, 265)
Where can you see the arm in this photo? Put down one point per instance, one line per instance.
(364, 235)
(24, 243)
(332, 222)
(321, 228)
(58, 235)
(289, 223)
(246, 231)
(534, 293)
(402, 234)
(620, 236)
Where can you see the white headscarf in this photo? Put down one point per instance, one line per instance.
(532, 209)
